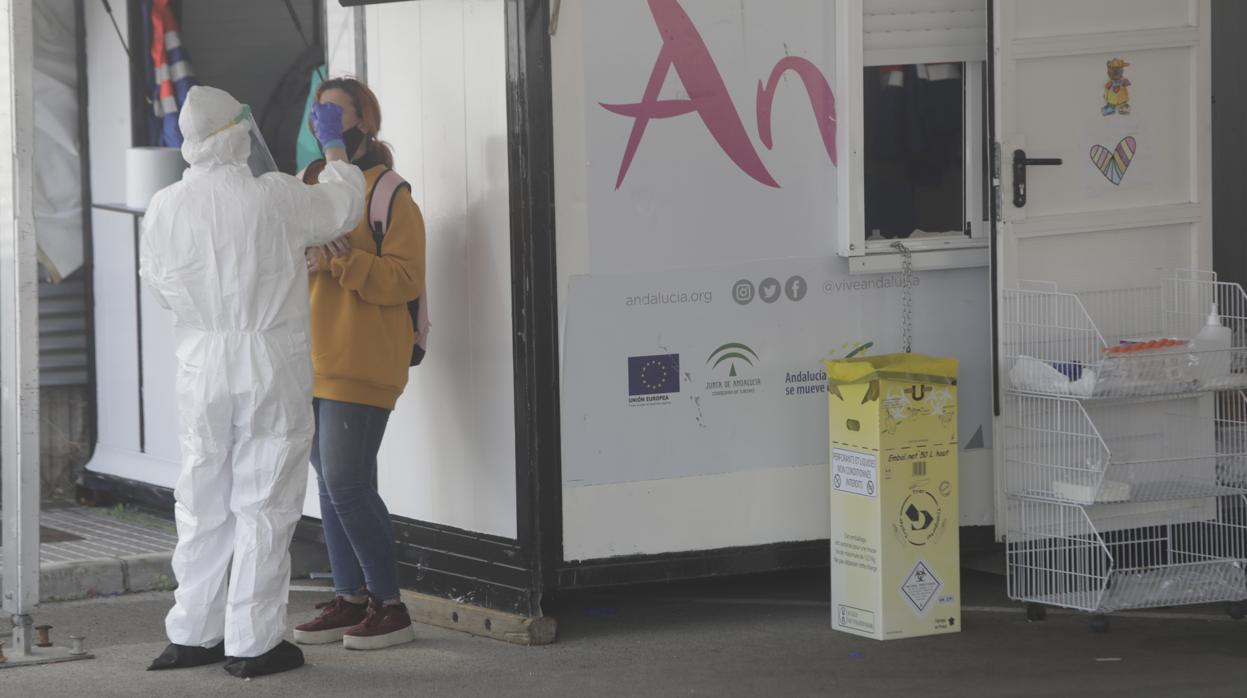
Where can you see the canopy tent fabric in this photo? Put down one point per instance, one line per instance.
(286, 111)
(307, 150)
(58, 175)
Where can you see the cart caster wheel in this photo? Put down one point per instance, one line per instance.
(1035, 613)
(1099, 624)
(1238, 610)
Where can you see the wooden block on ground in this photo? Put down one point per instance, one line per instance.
(445, 613)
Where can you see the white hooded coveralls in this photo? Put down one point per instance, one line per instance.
(223, 250)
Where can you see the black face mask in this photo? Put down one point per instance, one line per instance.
(352, 138)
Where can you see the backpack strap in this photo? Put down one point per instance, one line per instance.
(380, 208)
(381, 203)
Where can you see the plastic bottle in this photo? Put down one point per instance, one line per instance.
(1213, 344)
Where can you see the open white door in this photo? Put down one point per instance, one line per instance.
(1117, 91)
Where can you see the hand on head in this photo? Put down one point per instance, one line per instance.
(327, 124)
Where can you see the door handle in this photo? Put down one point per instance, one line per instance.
(1020, 162)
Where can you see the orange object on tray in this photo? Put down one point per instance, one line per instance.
(1148, 345)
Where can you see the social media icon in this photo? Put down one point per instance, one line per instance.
(743, 292)
(796, 288)
(769, 290)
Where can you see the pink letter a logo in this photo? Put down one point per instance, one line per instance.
(684, 49)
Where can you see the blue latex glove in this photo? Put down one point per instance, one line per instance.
(327, 124)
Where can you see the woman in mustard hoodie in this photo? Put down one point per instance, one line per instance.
(362, 339)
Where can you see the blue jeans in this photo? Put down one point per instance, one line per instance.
(357, 525)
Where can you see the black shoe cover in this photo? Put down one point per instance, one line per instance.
(283, 657)
(185, 656)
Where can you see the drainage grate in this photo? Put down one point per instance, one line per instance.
(78, 534)
(51, 535)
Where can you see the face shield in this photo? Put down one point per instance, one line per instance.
(260, 160)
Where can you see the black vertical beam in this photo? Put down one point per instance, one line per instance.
(318, 26)
(361, 45)
(138, 74)
(138, 326)
(140, 109)
(534, 293)
(989, 97)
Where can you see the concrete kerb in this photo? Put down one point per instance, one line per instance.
(70, 581)
(113, 576)
(151, 572)
(66, 581)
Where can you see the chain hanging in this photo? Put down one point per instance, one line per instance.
(907, 295)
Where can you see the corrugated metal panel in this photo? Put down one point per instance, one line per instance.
(63, 358)
(923, 31)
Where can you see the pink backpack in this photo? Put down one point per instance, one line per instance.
(380, 206)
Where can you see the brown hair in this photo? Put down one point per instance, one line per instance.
(369, 110)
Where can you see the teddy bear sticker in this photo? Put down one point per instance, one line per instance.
(1117, 89)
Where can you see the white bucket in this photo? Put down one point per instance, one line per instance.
(148, 170)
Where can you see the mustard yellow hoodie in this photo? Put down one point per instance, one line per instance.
(361, 330)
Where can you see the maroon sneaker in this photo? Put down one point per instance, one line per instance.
(385, 626)
(336, 617)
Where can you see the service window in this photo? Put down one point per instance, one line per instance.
(911, 80)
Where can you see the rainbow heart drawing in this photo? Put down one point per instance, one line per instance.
(1114, 163)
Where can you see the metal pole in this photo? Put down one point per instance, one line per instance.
(360, 24)
(19, 329)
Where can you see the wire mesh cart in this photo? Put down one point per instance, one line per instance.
(1126, 446)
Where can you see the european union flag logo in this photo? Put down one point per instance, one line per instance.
(654, 375)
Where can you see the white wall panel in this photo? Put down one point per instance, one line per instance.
(439, 70)
(685, 204)
(116, 331)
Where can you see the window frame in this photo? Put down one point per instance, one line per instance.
(879, 256)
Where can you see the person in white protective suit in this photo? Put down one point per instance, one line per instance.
(224, 251)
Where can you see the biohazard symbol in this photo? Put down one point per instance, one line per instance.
(920, 518)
